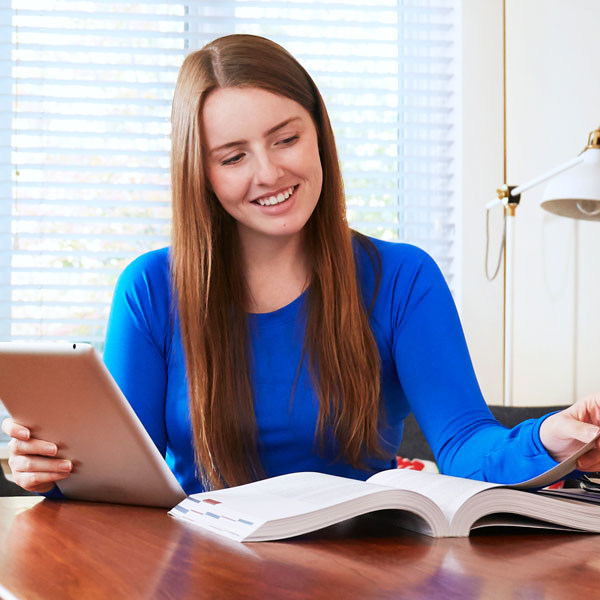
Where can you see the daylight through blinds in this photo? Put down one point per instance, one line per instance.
(86, 95)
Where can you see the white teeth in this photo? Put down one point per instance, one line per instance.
(281, 197)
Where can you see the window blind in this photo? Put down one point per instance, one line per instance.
(86, 89)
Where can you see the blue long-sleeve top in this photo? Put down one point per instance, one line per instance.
(425, 368)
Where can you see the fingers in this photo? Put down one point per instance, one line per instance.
(29, 463)
(14, 430)
(31, 446)
(579, 430)
(38, 473)
(33, 462)
(40, 482)
(590, 461)
(586, 409)
(564, 433)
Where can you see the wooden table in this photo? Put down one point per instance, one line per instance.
(51, 549)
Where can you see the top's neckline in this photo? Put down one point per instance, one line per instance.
(281, 315)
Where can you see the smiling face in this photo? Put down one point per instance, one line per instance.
(262, 160)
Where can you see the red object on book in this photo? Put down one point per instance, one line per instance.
(405, 463)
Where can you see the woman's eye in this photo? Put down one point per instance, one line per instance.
(287, 141)
(233, 160)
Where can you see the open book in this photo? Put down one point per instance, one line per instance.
(429, 503)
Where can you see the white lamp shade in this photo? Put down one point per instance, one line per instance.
(576, 193)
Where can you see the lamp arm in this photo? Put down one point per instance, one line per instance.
(518, 190)
(548, 175)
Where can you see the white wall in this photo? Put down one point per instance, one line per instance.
(553, 91)
(481, 306)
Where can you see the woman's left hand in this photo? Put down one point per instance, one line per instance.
(565, 432)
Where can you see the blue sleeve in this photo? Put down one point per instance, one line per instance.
(137, 340)
(437, 376)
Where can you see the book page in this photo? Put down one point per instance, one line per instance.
(243, 509)
(560, 471)
(287, 495)
(448, 492)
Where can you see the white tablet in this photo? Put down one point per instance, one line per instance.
(64, 394)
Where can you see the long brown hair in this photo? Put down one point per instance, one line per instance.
(210, 287)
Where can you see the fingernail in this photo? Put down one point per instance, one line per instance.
(50, 449)
(65, 465)
(23, 433)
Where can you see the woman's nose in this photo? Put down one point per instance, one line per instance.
(267, 172)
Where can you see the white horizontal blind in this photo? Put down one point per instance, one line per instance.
(86, 88)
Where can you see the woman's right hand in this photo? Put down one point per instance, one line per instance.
(32, 461)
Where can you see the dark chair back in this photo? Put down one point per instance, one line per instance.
(9, 488)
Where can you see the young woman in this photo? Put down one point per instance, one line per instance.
(270, 337)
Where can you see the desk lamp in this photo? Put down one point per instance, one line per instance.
(574, 192)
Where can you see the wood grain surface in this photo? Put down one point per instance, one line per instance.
(52, 549)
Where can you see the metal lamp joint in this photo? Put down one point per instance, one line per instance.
(510, 202)
(593, 140)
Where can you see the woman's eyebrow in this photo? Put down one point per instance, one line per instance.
(266, 134)
(281, 125)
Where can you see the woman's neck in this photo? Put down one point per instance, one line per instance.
(277, 271)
